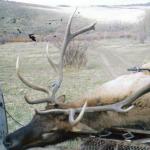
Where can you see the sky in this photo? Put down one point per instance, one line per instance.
(82, 2)
(103, 14)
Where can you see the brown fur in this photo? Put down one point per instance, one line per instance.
(112, 92)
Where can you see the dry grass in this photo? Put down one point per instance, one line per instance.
(106, 60)
(35, 68)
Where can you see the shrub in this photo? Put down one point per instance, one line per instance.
(75, 55)
(2, 40)
(144, 27)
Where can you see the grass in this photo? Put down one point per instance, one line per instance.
(107, 59)
(26, 18)
(118, 54)
(35, 68)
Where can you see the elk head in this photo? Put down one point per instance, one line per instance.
(48, 128)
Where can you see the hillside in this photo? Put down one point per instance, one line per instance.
(17, 20)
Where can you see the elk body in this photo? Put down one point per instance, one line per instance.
(124, 101)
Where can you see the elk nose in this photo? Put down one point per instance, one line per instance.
(11, 144)
(7, 142)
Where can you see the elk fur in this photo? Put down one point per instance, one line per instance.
(112, 92)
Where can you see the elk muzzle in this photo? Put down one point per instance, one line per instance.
(23, 136)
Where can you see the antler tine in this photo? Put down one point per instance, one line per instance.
(73, 121)
(68, 28)
(118, 107)
(37, 101)
(27, 83)
(133, 97)
(53, 65)
(85, 29)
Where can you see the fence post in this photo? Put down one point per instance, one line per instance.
(3, 121)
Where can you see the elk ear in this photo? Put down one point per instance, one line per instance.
(80, 127)
(61, 99)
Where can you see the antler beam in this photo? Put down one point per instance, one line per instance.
(27, 83)
(53, 65)
(71, 112)
(68, 37)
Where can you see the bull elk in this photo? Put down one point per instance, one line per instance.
(120, 102)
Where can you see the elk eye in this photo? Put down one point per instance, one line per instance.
(56, 105)
(62, 118)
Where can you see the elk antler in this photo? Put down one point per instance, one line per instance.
(68, 37)
(57, 67)
(54, 66)
(31, 85)
(118, 107)
(73, 121)
(71, 112)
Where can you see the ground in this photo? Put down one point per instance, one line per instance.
(107, 59)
